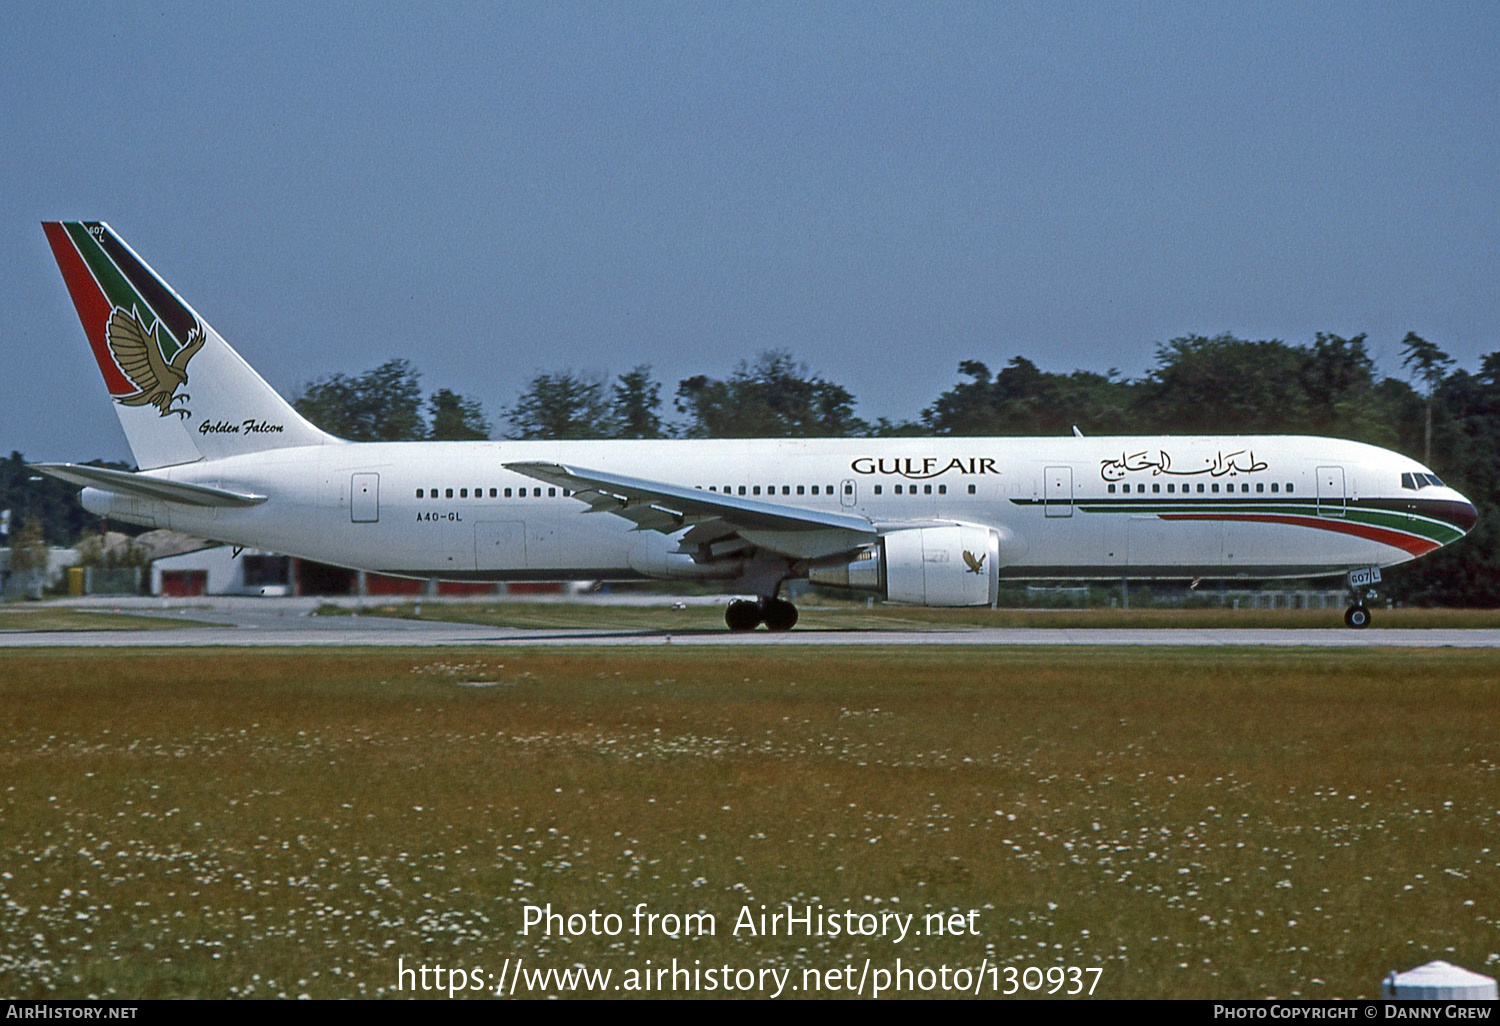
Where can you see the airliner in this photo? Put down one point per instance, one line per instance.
(935, 521)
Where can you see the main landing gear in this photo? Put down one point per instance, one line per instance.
(1357, 616)
(777, 614)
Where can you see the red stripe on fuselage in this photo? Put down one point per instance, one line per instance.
(92, 306)
(1407, 542)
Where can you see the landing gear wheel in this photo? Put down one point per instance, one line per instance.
(1357, 617)
(742, 616)
(779, 614)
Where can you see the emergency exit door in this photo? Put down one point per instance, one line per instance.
(1057, 495)
(364, 498)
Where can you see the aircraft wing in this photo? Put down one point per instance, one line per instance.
(657, 506)
(140, 485)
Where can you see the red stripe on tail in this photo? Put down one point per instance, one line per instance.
(92, 306)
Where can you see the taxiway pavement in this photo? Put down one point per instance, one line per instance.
(259, 624)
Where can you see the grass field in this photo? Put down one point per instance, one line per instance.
(62, 618)
(857, 616)
(1197, 824)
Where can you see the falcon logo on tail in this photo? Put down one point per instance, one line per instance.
(138, 354)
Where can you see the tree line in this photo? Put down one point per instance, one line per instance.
(1198, 384)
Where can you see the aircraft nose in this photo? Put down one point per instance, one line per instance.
(1465, 515)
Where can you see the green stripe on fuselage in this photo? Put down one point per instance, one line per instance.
(1424, 527)
(1435, 530)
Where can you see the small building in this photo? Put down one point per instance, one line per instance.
(224, 571)
(31, 583)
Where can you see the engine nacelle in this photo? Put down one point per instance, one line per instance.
(953, 565)
(656, 555)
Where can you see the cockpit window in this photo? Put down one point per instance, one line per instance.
(1419, 481)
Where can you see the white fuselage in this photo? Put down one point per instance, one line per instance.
(1163, 506)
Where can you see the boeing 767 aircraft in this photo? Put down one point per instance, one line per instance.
(928, 521)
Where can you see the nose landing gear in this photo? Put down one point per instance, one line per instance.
(1358, 614)
(777, 614)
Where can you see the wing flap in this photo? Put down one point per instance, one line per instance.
(667, 508)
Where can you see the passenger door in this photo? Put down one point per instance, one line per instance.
(1331, 495)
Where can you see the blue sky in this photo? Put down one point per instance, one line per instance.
(885, 190)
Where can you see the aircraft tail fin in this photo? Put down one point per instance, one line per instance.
(148, 343)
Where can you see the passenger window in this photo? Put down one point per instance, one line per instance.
(786, 489)
(1171, 488)
(877, 490)
(1275, 487)
(507, 493)
(1140, 489)
(494, 493)
(1289, 486)
(815, 489)
(448, 492)
(1214, 488)
(1260, 487)
(1200, 488)
(463, 493)
(1156, 489)
(926, 489)
(419, 493)
(755, 490)
(1245, 487)
(552, 493)
(801, 489)
(971, 489)
(1111, 489)
(942, 489)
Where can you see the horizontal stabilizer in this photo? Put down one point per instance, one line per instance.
(123, 482)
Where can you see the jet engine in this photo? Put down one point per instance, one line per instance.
(951, 565)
